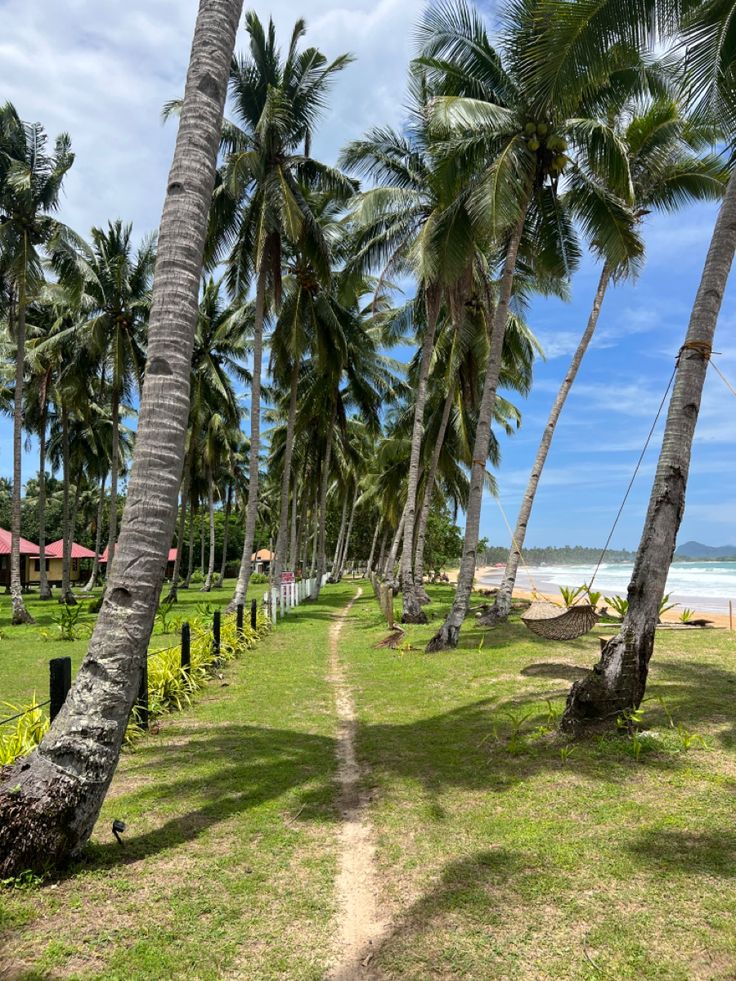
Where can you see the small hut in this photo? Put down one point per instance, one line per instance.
(55, 563)
(28, 551)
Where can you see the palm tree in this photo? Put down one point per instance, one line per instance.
(258, 206)
(515, 143)
(30, 185)
(50, 803)
(666, 173)
(619, 680)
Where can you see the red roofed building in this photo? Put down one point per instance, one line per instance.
(55, 563)
(27, 551)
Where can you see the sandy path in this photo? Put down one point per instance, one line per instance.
(360, 926)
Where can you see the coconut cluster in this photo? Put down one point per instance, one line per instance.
(548, 146)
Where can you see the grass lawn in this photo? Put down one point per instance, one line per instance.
(503, 851)
(25, 652)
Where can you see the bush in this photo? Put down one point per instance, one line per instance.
(259, 578)
(19, 738)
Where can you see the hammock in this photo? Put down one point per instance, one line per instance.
(551, 621)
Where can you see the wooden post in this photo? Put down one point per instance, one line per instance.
(239, 620)
(60, 681)
(216, 636)
(253, 613)
(142, 700)
(186, 647)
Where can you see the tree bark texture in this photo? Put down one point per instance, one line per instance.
(618, 681)
(50, 800)
(502, 604)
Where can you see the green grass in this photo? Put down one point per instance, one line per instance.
(501, 852)
(27, 650)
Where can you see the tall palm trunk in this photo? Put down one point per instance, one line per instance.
(207, 585)
(92, 582)
(338, 545)
(619, 680)
(412, 608)
(447, 636)
(226, 532)
(322, 510)
(201, 543)
(114, 470)
(44, 590)
(171, 596)
(294, 524)
(348, 534)
(315, 534)
(66, 593)
(429, 491)
(502, 604)
(369, 563)
(388, 571)
(281, 555)
(20, 613)
(190, 553)
(251, 511)
(50, 801)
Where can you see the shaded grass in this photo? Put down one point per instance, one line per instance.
(504, 857)
(499, 855)
(229, 858)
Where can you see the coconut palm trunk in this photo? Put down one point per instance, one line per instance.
(44, 590)
(412, 608)
(190, 553)
(171, 596)
(294, 533)
(251, 511)
(502, 604)
(66, 593)
(447, 636)
(226, 532)
(281, 538)
(340, 538)
(322, 511)
(92, 581)
(618, 681)
(114, 470)
(207, 584)
(369, 563)
(20, 613)
(346, 540)
(428, 492)
(388, 571)
(50, 801)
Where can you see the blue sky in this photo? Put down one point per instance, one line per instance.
(103, 71)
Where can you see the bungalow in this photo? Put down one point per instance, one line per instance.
(55, 563)
(27, 551)
(261, 561)
(169, 562)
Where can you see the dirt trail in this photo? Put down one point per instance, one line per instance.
(360, 927)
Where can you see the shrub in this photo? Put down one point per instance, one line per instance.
(259, 578)
(20, 737)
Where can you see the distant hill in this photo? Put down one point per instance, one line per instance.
(696, 550)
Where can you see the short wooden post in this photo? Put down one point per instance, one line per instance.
(60, 681)
(186, 648)
(253, 613)
(142, 700)
(239, 620)
(216, 636)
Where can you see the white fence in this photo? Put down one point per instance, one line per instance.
(289, 596)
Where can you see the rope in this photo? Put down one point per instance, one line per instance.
(641, 456)
(20, 715)
(723, 378)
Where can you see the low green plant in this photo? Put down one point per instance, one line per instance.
(258, 578)
(570, 593)
(689, 739)
(665, 604)
(24, 880)
(594, 596)
(69, 624)
(164, 615)
(18, 738)
(687, 615)
(619, 605)
(566, 752)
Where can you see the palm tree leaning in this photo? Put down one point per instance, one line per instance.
(30, 185)
(50, 801)
(515, 142)
(258, 205)
(619, 680)
(667, 168)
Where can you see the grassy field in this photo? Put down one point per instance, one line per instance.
(503, 850)
(25, 652)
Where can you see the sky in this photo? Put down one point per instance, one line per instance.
(102, 72)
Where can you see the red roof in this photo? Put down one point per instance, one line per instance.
(262, 555)
(56, 551)
(26, 547)
(171, 558)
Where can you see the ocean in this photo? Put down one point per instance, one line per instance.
(698, 585)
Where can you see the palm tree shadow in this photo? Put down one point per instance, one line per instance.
(692, 852)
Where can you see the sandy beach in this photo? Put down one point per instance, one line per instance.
(486, 577)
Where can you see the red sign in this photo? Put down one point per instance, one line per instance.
(287, 577)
